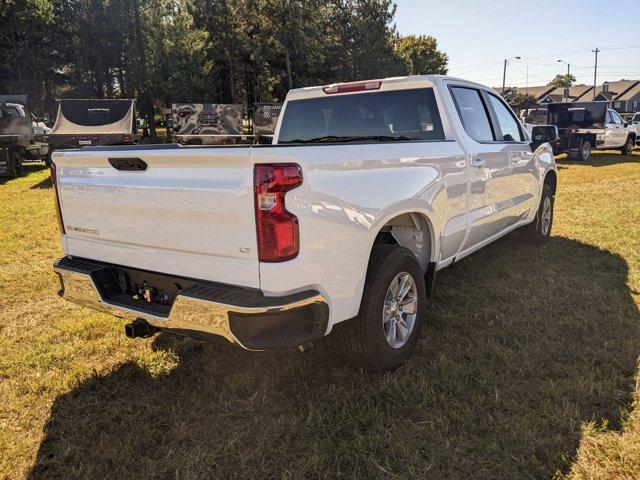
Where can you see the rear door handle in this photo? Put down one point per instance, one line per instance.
(128, 164)
(479, 162)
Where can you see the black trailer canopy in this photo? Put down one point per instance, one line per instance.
(86, 117)
(581, 115)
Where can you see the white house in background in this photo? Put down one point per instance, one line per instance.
(623, 95)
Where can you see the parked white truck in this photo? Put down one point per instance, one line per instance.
(339, 226)
(587, 126)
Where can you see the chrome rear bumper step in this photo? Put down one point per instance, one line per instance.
(201, 309)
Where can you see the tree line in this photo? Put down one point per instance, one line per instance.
(223, 51)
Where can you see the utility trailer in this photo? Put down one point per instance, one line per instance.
(208, 124)
(96, 122)
(586, 126)
(224, 124)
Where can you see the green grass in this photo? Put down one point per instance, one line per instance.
(527, 368)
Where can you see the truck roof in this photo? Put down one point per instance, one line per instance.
(380, 84)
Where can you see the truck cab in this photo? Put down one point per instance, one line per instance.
(634, 126)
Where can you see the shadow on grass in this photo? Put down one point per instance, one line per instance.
(604, 158)
(523, 344)
(28, 168)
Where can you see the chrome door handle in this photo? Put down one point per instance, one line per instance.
(479, 162)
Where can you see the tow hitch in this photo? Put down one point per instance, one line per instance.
(140, 328)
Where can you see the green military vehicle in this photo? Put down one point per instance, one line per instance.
(19, 140)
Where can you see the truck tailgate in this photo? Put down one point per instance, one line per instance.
(190, 212)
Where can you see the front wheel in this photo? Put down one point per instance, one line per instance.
(385, 332)
(628, 146)
(585, 151)
(14, 165)
(540, 229)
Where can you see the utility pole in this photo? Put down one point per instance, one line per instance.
(504, 75)
(504, 72)
(566, 89)
(595, 72)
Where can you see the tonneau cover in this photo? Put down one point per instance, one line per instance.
(86, 117)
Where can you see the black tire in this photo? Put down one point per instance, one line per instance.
(19, 166)
(585, 151)
(14, 165)
(362, 340)
(628, 146)
(47, 160)
(540, 229)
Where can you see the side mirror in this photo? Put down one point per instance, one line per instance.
(46, 119)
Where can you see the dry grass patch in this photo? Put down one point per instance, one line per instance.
(526, 369)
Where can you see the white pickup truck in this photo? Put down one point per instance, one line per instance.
(337, 227)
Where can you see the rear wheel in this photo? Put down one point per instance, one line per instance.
(628, 146)
(392, 312)
(19, 166)
(14, 165)
(585, 151)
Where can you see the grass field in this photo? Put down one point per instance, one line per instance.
(527, 368)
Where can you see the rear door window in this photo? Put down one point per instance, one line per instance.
(473, 113)
(369, 117)
(509, 129)
(609, 117)
(617, 119)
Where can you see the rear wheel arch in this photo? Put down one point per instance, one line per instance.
(551, 179)
(412, 230)
(629, 144)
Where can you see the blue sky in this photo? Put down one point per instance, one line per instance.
(479, 35)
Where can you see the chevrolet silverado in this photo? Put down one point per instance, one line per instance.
(337, 227)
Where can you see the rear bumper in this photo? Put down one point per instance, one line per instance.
(200, 309)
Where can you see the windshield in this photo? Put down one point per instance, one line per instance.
(636, 118)
(13, 111)
(370, 117)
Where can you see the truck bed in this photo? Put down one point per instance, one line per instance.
(9, 139)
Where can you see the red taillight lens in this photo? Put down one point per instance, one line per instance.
(126, 138)
(277, 229)
(95, 138)
(54, 183)
(352, 87)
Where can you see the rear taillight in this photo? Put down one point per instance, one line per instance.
(54, 183)
(126, 138)
(95, 138)
(352, 87)
(277, 229)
